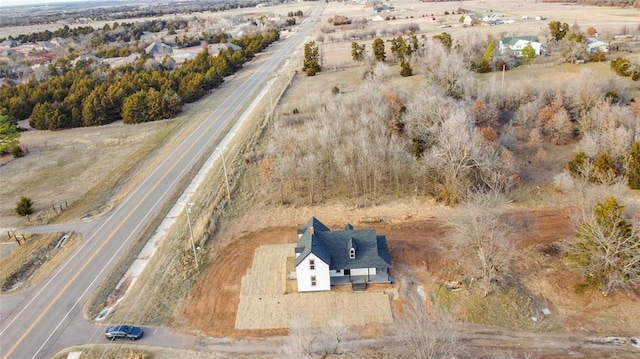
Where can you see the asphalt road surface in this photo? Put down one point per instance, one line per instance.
(48, 317)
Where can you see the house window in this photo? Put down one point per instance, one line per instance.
(313, 280)
(352, 253)
(312, 264)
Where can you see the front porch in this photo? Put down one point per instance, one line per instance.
(378, 278)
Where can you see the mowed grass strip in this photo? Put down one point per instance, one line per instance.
(16, 269)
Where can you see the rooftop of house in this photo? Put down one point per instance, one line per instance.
(513, 40)
(332, 247)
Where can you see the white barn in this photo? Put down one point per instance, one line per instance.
(325, 258)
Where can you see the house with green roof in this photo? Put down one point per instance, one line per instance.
(517, 43)
(326, 258)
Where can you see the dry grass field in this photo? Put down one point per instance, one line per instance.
(63, 165)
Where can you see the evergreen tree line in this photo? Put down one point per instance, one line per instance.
(88, 94)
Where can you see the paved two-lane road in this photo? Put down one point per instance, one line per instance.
(43, 320)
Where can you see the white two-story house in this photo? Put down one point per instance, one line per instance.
(516, 44)
(325, 258)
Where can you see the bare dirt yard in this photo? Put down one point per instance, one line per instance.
(414, 231)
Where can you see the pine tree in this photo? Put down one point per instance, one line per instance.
(633, 166)
(405, 69)
(24, 206)
(607, 249)
(311, 62)
(378, 50)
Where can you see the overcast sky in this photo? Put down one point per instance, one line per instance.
(33, 2)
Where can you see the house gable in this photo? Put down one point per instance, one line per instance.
(313, 274)
(336, 248)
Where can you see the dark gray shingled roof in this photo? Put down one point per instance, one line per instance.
(315, 223)
(333, 247)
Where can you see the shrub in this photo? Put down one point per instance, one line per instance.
(577, 165)
(24, 206)
(335, 90)
(598, 56)
(406, 69)
(621, 66)
(17, 151)
(612, 97)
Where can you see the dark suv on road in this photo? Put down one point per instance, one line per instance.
(123, 331)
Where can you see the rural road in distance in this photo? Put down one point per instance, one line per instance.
(47, 318)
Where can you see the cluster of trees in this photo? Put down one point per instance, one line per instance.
(88, 94)
(338, 20)
(64, 32)
(425, 142)
(444, 140)
(362, 34)
(623, 67)
(109, 33)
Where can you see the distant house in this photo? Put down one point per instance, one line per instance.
(44, 46)
(215, 49)
(88, 57)
(594, 45)
(489, 17)
(274, 17)
(158, 48)
(325, 258)
(383, 8)
(516, 44)
(7, 44)
(468, 20)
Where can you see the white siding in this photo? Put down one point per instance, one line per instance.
(304, 274)
(335, 273)
(363, 271)
(521, 44)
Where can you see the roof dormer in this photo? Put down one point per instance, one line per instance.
(351, 245)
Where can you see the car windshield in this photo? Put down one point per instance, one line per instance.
(124, 329)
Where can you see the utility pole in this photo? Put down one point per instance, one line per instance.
(193, 245)
(226, 177)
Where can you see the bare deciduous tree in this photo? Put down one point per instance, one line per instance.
(300, 341)
(483, 237)
(426, 335)
(305, 342)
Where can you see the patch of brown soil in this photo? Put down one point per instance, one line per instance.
(415, 240)
(213, 305)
